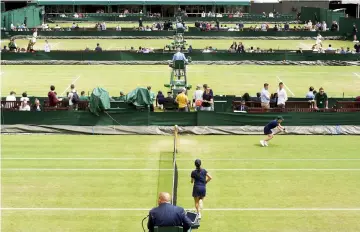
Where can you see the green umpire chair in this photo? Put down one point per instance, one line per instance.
(179, 69)
(168, 229)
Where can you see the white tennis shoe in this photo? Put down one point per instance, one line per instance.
(262, 142)
(266, 144)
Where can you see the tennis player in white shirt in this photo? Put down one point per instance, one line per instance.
(318, 41)
(282, 96)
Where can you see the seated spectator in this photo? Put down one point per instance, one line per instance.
(87, 49)
(206, 50)
(240, 48)
(257, 50)
(330, 48)
(286, 27)
(300, 51)
(182, 101)
(190, 49)
(83, 97)
(348, 50)
(310, 94)
(208, 100)
(4, 49)
(24, 106)
(98, 48)
(36, 106)
(323, 26)
(168, 100)
(334, 26)
(12, 45)
(159, 98)
(342, 51)
(251, 50)
(243, 106)
(11, 97)
(257, 98)
(73, 26)
(246, 97)
(122, 96)
(118, 28)
(53, 99)
(24, 97)
(273, 98)
(57, 27)
(357, 47)
(321, 100)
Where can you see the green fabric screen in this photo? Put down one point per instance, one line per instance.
(17, 17)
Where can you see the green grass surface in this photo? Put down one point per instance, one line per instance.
(136, 24)
(126, 44)
(137, 189)
(223, 79)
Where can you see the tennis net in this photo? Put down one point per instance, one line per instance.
(175, 173)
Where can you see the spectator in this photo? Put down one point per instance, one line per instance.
(354, 32)
(152, 98)
(122, 96)
(36, 106)
(87, 49)
(197, 98)
(57, 27)
(208, 100)
(246, 97)
(286, 26)
(24, 97)
(321, 100)
(159, 99)
(257, 98)
(11, 97)
(167, 214)
(24, 106)
(300, 51)
(83, 97)
(240, 48)
(334, 26)
(12, 45)
(348, 50)
(357, 47)
(168, 100)
(342, 51)
(182, 101)
(190, 49)
(242, 106)
(98, 48)
(330, 48)
(140, 23)
(4, 49)
(73, 98)
(118, 28)
(310, 94)
(265, 97)
(53, 100)
(47, 47)
(73, 26)
(282, 96)
(324, 26)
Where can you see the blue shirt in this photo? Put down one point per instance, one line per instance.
(179, 56)
(272, 125)
(199, 176)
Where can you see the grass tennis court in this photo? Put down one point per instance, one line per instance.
(223, 79)
(298, 183)
(126, 44)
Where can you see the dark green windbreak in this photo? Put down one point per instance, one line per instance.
(99, 101)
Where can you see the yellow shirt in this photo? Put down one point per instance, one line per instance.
(182, 100)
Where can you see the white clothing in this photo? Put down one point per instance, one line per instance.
(198, 95)
(310, 95)
(318, 39)
(47, 47)
(71, 93)
(25, 108)
(282, 96)
(11, 98)
(24, 98)
(203, 14)
(265, 96)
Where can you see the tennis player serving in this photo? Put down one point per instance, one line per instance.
(268, 130)
(199, 177)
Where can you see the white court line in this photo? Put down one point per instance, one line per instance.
(70, 85)
(204, 159)
(206, 209)
(286, 86)
(184, 169)
(356, 74)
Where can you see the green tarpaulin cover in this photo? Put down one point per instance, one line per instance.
(139, 97)
(99, 100)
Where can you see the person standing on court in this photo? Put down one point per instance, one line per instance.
(282, 96)
(167, 214)
(199, 177)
